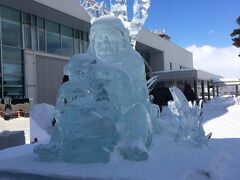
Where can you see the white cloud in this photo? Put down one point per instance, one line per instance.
(211, 32)
(221, 61)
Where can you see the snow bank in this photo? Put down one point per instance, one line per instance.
(41, 117)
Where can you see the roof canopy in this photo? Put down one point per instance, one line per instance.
(185, 74)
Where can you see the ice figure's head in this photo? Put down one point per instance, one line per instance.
(108, 39)
(79, 66)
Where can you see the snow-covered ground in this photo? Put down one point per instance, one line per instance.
(17, 124)
(168, 160)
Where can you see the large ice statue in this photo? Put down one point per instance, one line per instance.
(105, 104)
(189, 118)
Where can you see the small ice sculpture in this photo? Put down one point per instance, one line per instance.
(104, 105)
(189, 118)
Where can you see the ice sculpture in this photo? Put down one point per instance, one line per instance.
(119, 10)
(104, 105)
(189, 118)
(94, 8)
(140, 15)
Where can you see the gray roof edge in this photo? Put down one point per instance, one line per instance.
(184, 74)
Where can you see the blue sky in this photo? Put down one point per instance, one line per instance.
(199, 22)
(202, 27)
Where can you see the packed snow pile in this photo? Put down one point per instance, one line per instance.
(43, 115)
(168, 159)
(41, 121)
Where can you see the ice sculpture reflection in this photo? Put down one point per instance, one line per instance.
(105, 102)
(189, 118)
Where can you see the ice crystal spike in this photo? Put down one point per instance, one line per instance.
(189, 118)
(151, 83)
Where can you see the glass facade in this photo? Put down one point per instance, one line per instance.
(20, 30)
(11, 33)
(11, 56)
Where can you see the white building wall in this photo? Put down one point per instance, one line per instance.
(172, 53)
(156, 61)
(43, 75)
(71, 7)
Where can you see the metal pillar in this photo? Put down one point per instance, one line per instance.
(208, 90)
(195, 87)
(213, 87)
(202, 87)
(237, 91)
(217, 91)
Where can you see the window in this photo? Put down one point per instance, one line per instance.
(67, 41)
(13, 79)
(42, 42)
(13, 92)
(27, 36)
(81, 42)
(10, 14)
(34, 20)
(10, 53)
(53, 43)
(11, 33)
(183, 67)
(11, 50)
(66, 31)
(26, 18)
(41, 34)
(52, 27)
(170, 66)
(76, 34)
(85, 41)
(53, 38)
(67, 46)
(76, 46)
(41, 23)
(76, 42)
(34, 38)
(13, 69)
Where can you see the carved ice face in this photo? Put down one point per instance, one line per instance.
(109, 39)
(106, 44)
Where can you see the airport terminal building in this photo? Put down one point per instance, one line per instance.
(37, 37)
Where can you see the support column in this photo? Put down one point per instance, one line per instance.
(195, 87)
(30, 76)
(217, 91)
(237, 91)
(213, 87)
(202, 87)
(208, 90)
